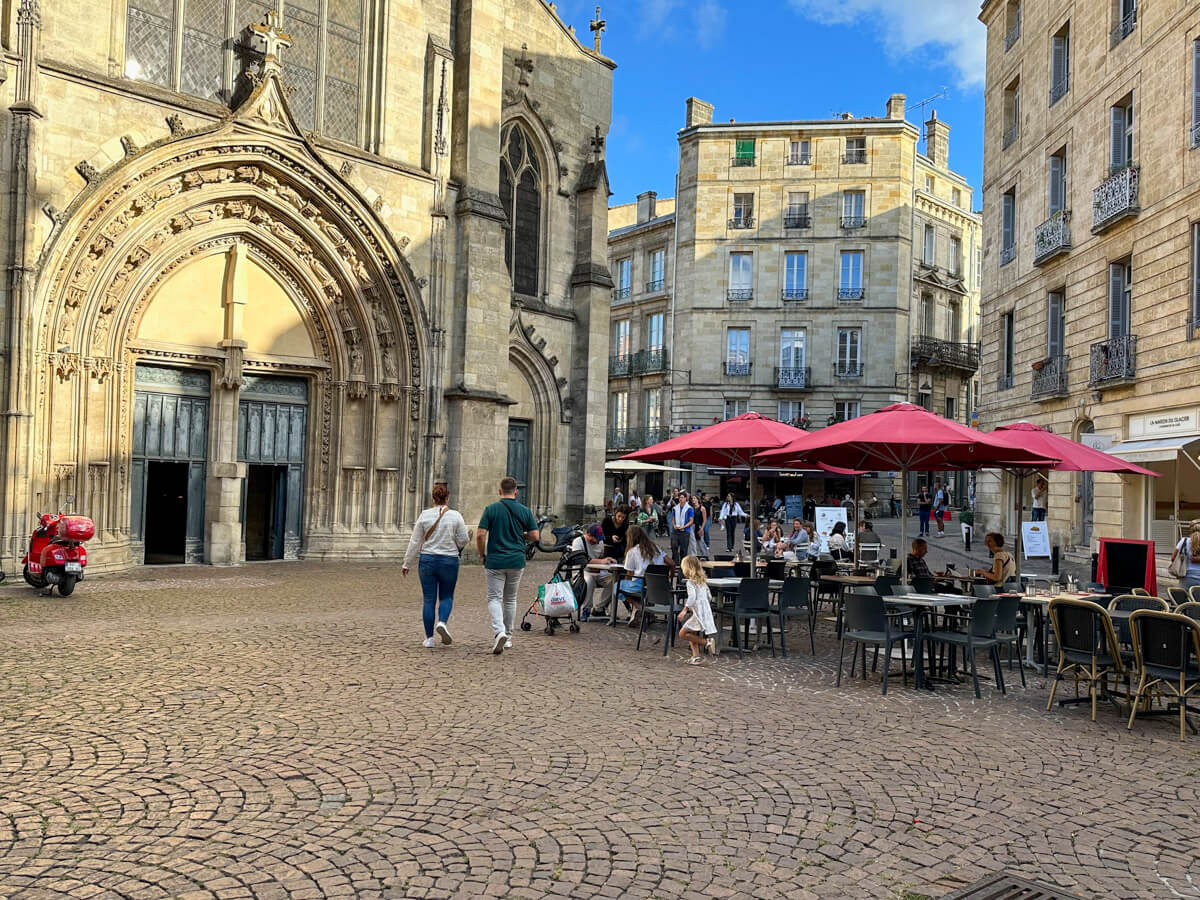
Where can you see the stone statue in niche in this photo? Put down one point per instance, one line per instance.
(356, 359)
(390, 370)
(382, 325)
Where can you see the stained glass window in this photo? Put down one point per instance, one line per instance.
(521, 196)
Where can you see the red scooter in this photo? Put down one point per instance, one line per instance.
(56, 553)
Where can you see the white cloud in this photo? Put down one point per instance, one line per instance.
(948, 29)
(705, 20)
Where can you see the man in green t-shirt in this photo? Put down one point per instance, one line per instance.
(504, 529)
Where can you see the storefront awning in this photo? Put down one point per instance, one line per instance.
(1157, 449)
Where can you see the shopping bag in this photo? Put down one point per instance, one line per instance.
(557, 599)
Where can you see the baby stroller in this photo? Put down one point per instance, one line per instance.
(569, 571)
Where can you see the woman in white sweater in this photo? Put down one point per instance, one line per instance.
(438, 538)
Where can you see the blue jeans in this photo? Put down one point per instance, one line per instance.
(1039, 515)
(924, 521)
(438, 575)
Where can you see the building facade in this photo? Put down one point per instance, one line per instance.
(275, 275)
(821, 270)
(1091, 252)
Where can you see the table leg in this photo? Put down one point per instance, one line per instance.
(1032, 619)
(919, 651)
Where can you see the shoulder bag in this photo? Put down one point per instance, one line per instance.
(436, 523)
(1179, 565)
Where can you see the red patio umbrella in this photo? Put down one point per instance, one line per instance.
(902, 437)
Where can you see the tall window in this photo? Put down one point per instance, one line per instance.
(955, 255)
(929, 254)
(1012, 23)
(1057, 188)
(929, 184)
(1007, 350)
(791, 411)
(1195, 323)
(845, 410)
(798, 153)
(955, 321)
(1120, 139)
(795, 276)
(956, 197)
(851, 285)
(743, 152)
(1120, 298)
(624, 277)
(741, 276)
(189, 46)
(521, 197)
(856, 150)
(854, 209)
(1012, 112)
(796, 215)
(1196, 93)
(952, 408)
(620, 333)
(1008, 226)
(618, 411)
(654, 408)
(791, 349)
(1060, 63)
(735, 408)
(849, 346)
(654, 332)
(737, 351)
(928, 310)
(1056, 325)
(1126, 16)
(743, 211)
(658, 264)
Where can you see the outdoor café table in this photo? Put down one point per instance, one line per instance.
(1039, 605)
(923, 604)
(616, 570)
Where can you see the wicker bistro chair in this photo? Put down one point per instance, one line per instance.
(1194, 593)
(979, 633)
(751, 602)
(659, 599)
(1129, 603)
(1191, 610)
(795, 602)
(867, 620)
(1167, 649)
(1177, 596)
(1140, 592)
(1088, 647)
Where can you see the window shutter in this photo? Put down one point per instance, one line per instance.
(1116, 300)
(1057, 200)
(1195, 275)
(1117, 138)
(1006, 237)
(1054, 332)
(1196, 83)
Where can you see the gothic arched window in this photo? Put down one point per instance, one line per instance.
(521, 197)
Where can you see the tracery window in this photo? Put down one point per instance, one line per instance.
(521, 197)
(190, 45)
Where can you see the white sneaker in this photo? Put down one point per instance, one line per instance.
(498, 644)
(443, 632)
(508, 643)
(428, 642)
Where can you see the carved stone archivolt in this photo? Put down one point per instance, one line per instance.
(533, 346)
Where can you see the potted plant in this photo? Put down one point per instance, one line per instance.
(1039, 365)
(967, 517)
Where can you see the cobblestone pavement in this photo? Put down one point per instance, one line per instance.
(278, 731)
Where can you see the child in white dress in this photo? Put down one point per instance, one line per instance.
(699, 630)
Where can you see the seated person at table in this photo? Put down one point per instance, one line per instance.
(867, 535)
(918, 568)
(1003, 567)
(643, 553)
(615, 526)
(592, 543)
(838, 548)
(771, 536)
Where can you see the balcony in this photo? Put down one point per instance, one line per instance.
(1124, 28)
(1052, 237)
(649, 362)
(851, 294)
(655, 287)
(1013, 35)
(741, 222)
(737, 369)
(854, 221)
(798, 159)
(1050, 381)
(1059, 89)
(739, 295)
(797, 217)
(1011, 133)
(1113, 362)
(933, 351)
(1004, 382)
(742, 162)
(1193, 329)
(790, 378)
(626, 439)
(1195, 136)
(1008, 254)
(618, 366)
(1116, 198)
(854, 157)
(793, 295)
(622, 293)
(848, 369)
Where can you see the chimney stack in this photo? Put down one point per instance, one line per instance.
(646, 206)
(937, 141)
(895, 106)
(698, 112)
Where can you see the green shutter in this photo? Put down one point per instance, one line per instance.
(745, 149)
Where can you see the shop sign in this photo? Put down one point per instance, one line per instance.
(1097, 441)
(1164, 424)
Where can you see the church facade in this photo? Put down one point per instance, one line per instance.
(277, 267)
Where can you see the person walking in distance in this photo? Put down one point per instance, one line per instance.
(731, 514)
(699, 523)
(939, 507)
(504, 529)
(683, 517)
(438, 537)
(924, 508)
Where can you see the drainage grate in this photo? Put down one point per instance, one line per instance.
(1008, 887)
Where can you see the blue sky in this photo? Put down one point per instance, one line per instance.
(761, 60)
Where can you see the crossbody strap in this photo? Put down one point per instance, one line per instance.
(430, 532)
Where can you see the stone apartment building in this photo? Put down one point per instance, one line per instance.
(1092, 255)
(275, 274)
(814, 271)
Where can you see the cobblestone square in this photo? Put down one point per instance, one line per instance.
(278, 731)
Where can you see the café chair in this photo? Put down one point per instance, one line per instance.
(660, 599)
(867, 620)
(1177, 596)
(1167, 650)
(1194, 593)
(1129, 603)
(751, 602)
(979, 633)
(924, 585)
(741, 570)
(1010, 629)
(1141, 592)
(870, 553)
(1189, 609)
(777, 569)
(795, 601)
(1087, 645)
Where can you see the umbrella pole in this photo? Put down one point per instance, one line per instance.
(1020, 516)
(903, 553)
(753, 519)
(854, 524)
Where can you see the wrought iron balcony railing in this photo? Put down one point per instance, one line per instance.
(1113, 361)
(1011, 133)
(741, 222)
(740, 295)
(618, 365)
(1125, 27)
(797, 217)
(793, 295)
(798, 159)
(848, 369)
(653, 287)
(1050, 380)
(1059, 89)
(649, 362)
(854, 157)
(851, 294)
(793, 378)
(953, 354)
(1052, 237)
(1195, 135)
(742, 162)
(624, 439)
(1012, 36)
(1004, 382)
(737, 369)
(622, 293)
(1008, 254)
(854, 221)
(1193, 328)
(1116, 198)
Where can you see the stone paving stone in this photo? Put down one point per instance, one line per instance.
(278, 731)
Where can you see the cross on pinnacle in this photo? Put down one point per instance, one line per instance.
(597, 25)
(598, 144)
(524, 65)
(273, 39)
